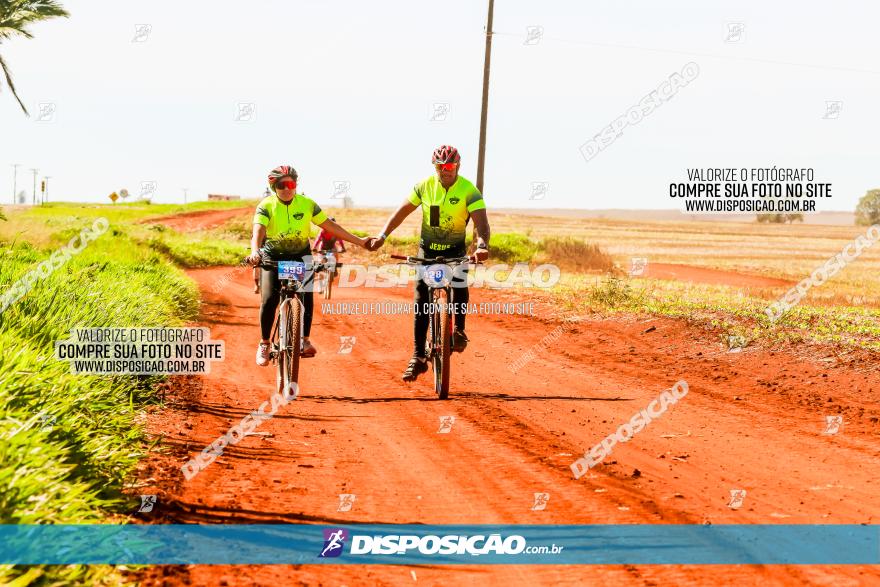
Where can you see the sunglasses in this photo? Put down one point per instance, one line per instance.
(446, 166)
(287, 184)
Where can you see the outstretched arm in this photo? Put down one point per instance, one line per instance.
(341, 233)
(481, 233)
(394, 221)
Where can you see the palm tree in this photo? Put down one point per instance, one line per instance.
(15, 15)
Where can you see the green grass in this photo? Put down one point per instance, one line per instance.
(69, 442)
(725, 310)
(200, 249)
(53, 225)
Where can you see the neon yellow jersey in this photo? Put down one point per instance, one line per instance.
(455, 207)
(287, 225)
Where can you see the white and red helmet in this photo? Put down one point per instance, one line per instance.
(446, 154)
(279, 172)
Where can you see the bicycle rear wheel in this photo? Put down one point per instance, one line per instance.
(441, 342)
(328, 285)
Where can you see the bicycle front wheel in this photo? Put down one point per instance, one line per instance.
(441, 343)
(290, 338)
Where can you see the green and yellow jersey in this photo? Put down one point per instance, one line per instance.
(454, 210)
(287, 225)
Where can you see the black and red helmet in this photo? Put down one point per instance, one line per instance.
(279, 172)
(446, 154)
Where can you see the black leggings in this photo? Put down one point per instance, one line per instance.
(460, 295)
(270, 288)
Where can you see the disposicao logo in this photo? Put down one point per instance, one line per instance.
(443, 545)
(334, 541)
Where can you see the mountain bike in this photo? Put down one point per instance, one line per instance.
(438, 277)
(285, 344)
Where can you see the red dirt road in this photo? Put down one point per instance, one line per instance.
(752, 420)
(693, 274)
(199, 220)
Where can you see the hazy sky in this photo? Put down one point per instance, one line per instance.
(345, 91)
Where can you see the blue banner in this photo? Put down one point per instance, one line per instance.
(448, 544)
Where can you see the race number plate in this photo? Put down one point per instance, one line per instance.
(291, 270)
(437, 275)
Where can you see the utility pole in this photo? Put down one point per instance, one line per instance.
(15, 167)
(481, 160)
(184, 194)
(34, 193)
(46, 190)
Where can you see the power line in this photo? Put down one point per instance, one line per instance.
(481, 156)
(34, 194)
(15, 167)
(697, 54)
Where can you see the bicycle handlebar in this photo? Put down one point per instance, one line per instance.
(268, 264)
(419, 260)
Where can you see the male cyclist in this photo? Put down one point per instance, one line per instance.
(282, 225)
(448, 201)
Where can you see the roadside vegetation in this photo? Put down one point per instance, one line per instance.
(68, 443)
(737, 319)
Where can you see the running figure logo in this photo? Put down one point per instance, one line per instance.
(245, 112)
(148, 188)
(341, 189)
(832, 109)
(832, 424)
(439, 112)
(541, 500)
(346, 343)
(737, 496)
(446, 423)
(47, 112)
(533, 35)
(346, 500)
(47, 421)
(334, 540)
(735, 32)
(639, 266)
(147, 503)
(540, 189)
(736, 343)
